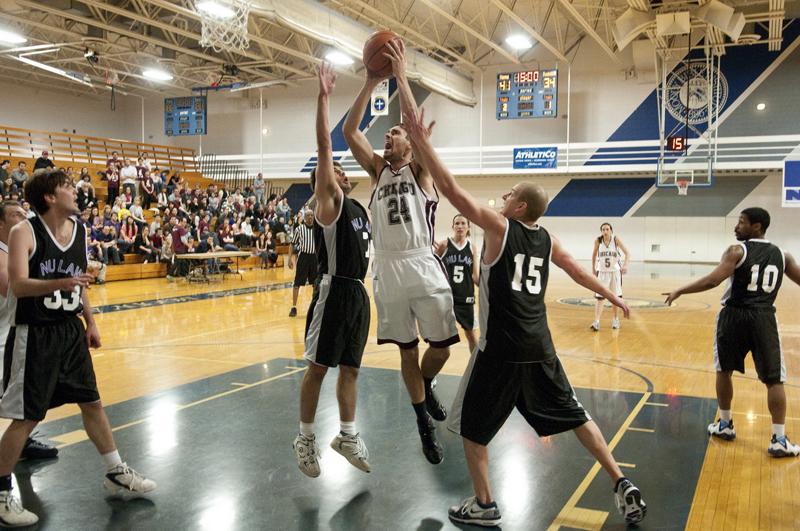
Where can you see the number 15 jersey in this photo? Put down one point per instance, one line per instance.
(513, 317)
(51, 260)
(402, 214)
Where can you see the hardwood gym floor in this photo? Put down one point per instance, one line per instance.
(202, 380)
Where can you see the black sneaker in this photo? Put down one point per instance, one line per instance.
(433, 451)
(470, 512)
(38, 450)
(293, 312)
(434, 407)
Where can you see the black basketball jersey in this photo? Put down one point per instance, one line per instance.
(50, 261)
(343, 246)
(757, 278)
(513, 318)
(458, 262)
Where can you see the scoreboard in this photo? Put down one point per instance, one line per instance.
(185, 116)
(529, 94)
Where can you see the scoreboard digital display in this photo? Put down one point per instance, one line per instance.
(528, 94)
(185, 116)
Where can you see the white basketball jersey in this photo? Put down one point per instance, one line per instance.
(608, 256)
(402, 214)
(6, 311)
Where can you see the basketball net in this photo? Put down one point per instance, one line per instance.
(226, 32)
(683, 186)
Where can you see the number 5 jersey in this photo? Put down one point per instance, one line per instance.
(50, 260)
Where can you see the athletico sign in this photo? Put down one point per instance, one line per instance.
(791, 183)
(535, 158)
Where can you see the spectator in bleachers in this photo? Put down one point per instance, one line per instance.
(114, 161)
(128, 174)
(86, 196)
(278, 228)
(168, 256)
(108, 238)
(158, 239)
(259, 188)
(283, 209)
(20, 175)
(144, 246)
(97, 219)
(225, 235)
(265, 248)
(162, 199)
(180, 237)
(127, 234)
(137, 213)
(148, 190)
(27, 208)
(156, 224)
(43, 162)
(246, 232)
(5, 178)
(112, 183)
(173, 182)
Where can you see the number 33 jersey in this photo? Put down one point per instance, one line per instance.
(51, 260)
(513, 317)
(402, 214)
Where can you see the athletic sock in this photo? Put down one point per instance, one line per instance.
(307, 429)
(420, 410)
(489, 505)
(347, 428)
(779, 430)
(5, 483)
(620, 480)
(725, 414)
(112, 459)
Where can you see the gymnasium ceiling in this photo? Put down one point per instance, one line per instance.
(465, 35)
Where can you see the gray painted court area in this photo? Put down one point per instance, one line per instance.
(220, 449)
(715, 201)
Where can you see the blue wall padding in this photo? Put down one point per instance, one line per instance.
(598, 197)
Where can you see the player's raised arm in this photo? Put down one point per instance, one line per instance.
(560, 257)
(725, 269)
(357, 140)
(489, 220)
(327, 192)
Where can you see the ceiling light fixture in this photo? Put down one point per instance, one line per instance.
(215, 9)
(761, 106)
(74, 76)
(519, 42)
(338, 58)
(9, 37)
(157, 75)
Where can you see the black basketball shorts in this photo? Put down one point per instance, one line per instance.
(743, 330)
(305, 270)
(46, 366)
(490, 389)
(465, 315)
(337, 323)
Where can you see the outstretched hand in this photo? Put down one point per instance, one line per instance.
(671, 296)
(414, 124)
(397, 55)
(327, 78)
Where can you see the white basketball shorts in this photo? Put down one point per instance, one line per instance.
(611, 279)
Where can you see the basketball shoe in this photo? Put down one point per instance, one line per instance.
(306, 451)
(12, 513)
(722, 429)
(35, 449)
(471, 512)
(615, 324)
(595, 326)
(782, 447)
(629, 501)
(352, 448)
(123, 478)
(433, 451)
(432, 404)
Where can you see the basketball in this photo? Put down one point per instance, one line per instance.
(374, 60)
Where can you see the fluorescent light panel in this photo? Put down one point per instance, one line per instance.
(338, 58)
(9, 37)
(52, 70)
(215, 9)
(519, 42)
(157, 75)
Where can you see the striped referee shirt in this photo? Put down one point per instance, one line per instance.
(303, 240)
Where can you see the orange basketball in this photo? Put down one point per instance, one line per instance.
(374, 48)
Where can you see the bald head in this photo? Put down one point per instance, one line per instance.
(535, 197)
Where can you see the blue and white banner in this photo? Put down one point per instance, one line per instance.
(791, 183)
(380, 99)
(536, 158)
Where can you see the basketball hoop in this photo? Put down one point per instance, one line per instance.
(224, 24)
(683, 186)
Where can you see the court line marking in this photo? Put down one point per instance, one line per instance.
(657, 404)
(643, 430)
(587, 480)
(73, 439)
(626, 465)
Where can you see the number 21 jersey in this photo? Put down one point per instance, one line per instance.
(50, 260)
(513, 317)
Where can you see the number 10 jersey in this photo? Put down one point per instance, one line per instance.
(50, 260)
(402, 214)
(513, 317)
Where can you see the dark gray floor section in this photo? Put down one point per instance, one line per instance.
(227, 463)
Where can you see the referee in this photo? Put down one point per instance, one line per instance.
(303, 246)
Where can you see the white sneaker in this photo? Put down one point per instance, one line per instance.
(629, 502)
(307, 453)
(615, 324)
(123, 478)
(353, 449)
(722, 429)
(12, 513)
(782, 447)
(595, 326)
(469, 512)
